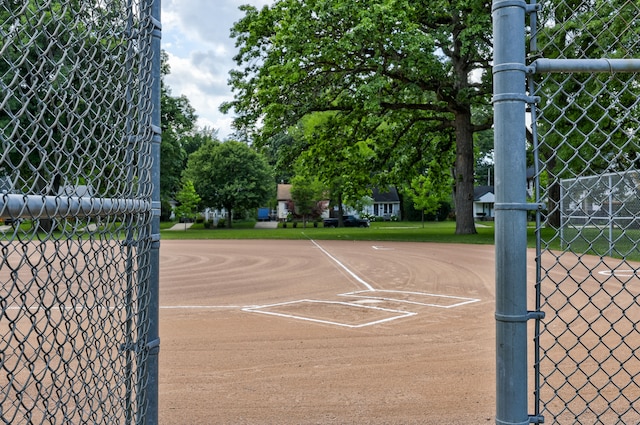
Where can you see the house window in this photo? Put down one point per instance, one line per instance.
(383, 209)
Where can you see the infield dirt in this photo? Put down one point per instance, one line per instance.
(333, 332)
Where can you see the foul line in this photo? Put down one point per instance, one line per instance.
(380, 295)
(345, 268)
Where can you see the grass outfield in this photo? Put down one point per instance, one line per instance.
(588, 242)
(379, 231)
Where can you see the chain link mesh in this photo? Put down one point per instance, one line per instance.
(75, 202)
(587, 149)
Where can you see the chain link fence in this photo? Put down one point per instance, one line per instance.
(586, 136)
(76, 186)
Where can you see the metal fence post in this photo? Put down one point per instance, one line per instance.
(510, 99)
(154, 302)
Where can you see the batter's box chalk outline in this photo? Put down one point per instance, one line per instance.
(393, 314)
(411, 297)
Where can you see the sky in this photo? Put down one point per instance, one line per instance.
(195, 35)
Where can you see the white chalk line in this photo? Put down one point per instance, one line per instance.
(620, 273)
(376, 295)
(352, 274)
(379, 296)
(462, 300)
(398, 313)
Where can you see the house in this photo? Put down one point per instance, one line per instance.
(285, 203)
(284, 199)
(483, 202)
(386, 204)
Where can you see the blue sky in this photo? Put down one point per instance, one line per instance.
(195, 34)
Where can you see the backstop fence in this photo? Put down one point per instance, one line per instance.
(567, 105)
(79, 211)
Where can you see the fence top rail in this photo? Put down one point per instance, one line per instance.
(34, 206)
(543, 65)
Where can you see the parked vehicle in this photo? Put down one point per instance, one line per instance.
(347, 221)
(263, 214)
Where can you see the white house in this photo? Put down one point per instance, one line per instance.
(284, 202)
(483, 202)
(386, 204)
(283, 198)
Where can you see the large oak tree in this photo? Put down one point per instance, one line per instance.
(397, 73)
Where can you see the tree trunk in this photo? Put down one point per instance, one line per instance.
(463, 174)
(228, 217)
(340, 210)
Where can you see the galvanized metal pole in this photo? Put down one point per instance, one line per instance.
(151, 417)
(510, 100)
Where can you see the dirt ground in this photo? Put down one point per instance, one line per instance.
(328, 332)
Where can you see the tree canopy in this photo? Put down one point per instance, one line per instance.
(230, 175)
(396, 74)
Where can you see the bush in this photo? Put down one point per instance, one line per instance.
(221, 223)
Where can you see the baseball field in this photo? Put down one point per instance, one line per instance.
(326, 332)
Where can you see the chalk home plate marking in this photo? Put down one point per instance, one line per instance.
(391, 314)
(367, 296)
(412, 297)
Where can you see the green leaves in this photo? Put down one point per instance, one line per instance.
(230, 175)
(394, 74)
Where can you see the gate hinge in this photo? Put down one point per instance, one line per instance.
(536, 419)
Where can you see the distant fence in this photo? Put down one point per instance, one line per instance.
(79, 137)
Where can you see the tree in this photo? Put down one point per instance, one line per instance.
(395, 72)
(306, 193)
(178, 123)
(188, 201)
(230, 175)
(69, 97)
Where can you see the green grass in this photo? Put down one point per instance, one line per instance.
(587, 241)
(584, 240)
(379, 231)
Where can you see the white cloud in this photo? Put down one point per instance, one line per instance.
(196, 38)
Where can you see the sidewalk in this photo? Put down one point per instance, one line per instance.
(266, 225)
(181, 226)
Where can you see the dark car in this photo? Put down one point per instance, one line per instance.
(347, 221)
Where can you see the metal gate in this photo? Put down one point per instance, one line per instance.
(577, 85)
(79, 120)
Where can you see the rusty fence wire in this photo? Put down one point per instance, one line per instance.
(584, 59)
(76, 210)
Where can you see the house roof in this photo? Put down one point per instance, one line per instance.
(284, 192)
(480, 191)
(388, 195)
(5, 184)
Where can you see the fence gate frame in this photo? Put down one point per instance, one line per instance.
(512, 102)
(133, 247)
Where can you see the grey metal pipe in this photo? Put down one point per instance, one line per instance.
(35, 206)
(584, 65)
(153, 338)
(509, 102)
